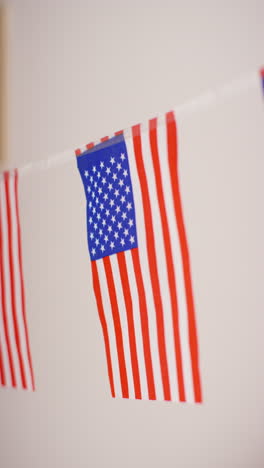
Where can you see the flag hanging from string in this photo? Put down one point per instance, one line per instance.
(15, 359)
(140, 263)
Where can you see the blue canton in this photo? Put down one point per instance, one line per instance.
(111, 221)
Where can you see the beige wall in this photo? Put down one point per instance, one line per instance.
(79, 70)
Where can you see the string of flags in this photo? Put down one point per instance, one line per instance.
(139, 257)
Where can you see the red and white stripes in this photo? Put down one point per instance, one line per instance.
(144, 295)
(15, 360)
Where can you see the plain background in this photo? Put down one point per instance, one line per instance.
(80, 70)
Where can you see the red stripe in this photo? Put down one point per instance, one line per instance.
(22, 286)
(172, 157)
(90, 145)
(262, 72)
(117, 326)
(168, 254)
(130, 322)
(144, 324)
(98, 296)
(77, 152)
(3, 303)
(104, 138)
(152, 260)
(120, 132)
(12, 280)
(2, 370)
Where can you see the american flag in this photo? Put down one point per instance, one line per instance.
(262, 78)
(15, 359)
(140, 262)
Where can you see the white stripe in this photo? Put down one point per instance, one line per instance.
(177, 259)
(143, 255)
(124, 324)
(137, 324)
(17, 285)
(6, 273)
(3, 344)
(162, 267)
(110, 326)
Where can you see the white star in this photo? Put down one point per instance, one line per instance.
(124, 215)
(112, 245)
(105, 196)
(112, 160)
(106, 238)
(118, 166)
(131, 222)
(109, 229)
(126, 232)
(95, 184)
(114, 176)
(94, 169)
(90, 204)
(118, 209)
(100, 232)
(104, 222)
(98, 216)
(112, 202)
(132, 239)
(125, 173)
(107, 212)
(97, 241)
(116, 235)
(90, 220)
(94, 210)
(101, 206)
(93, 194)
(95, 226)
(113, 219)
(93, 251)
(91, 178)
(97, 200)
(102, 248)
(122, 156)
(103, 180)
(86, 173)
(110, 187)
(123, 199)
(101, 164)
(127, 189)
(99, 190)
(116, 192)
(119, 225)
(108, 170)
(98, 175)
(122, 242)
(129, 206)
(91, 235)
(121, 183)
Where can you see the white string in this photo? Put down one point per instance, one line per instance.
(203, 101)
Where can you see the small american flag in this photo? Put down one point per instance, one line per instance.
(262, 78)
(140, 263)
(15, 360)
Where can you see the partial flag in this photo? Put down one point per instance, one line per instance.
(15, 359)
(262, 78)
(140, 262)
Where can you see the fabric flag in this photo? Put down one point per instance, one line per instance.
(15, 359)
(262, 78)
(140, 262)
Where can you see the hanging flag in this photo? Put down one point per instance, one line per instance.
(140, 263)
(15, 360)
(262, 78)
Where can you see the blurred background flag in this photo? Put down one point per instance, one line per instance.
(15, 359)
(140, 262)
(262, 78)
